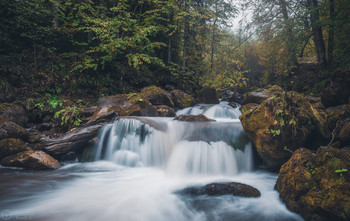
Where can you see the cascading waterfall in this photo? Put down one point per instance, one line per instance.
(140, 165)
(180, 147)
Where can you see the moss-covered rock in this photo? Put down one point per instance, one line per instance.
(317, 186)
(281, 124)
(208, 95)
(15, 112)
(182, 99)
(165, 111)
(11, 146)
(10, 129)
(336, 90)
(157, 96)
(134, 104)
(260, 95)
(32, 159)
(338, 122)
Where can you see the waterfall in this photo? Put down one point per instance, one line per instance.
(193, 148)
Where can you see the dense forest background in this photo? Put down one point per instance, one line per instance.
(103, 47)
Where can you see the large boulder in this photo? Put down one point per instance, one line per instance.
(281, 124)
(208, 95)
(231, 96)
(165, 111)
(157, 96)
(10, 129)
(15, 112)
(193, 118)
(260, 95)
(11, 146)
(217, 189)
(182, 99)
(338, 121)
(32, 159)
(317, 186)
(133, 104)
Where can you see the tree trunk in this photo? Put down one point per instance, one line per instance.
(186, 38)
(331, 32)
(55, 13)
(317, 32)
(291, 46)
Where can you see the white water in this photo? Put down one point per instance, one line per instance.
(140, 166)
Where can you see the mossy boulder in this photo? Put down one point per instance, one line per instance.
(317, 186)
(208, 95)
(165, 111)
(182, 99)
(281, 124)
(15, 112)
(157, 96)
(260, 95)
(134, 104)
(338, 119)
(32, 159)
(11, 146)
(10, 129)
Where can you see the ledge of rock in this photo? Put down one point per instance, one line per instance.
(157, 96)
(217, 189)
(193, 118)
(11, 146)
(317, 186)
(182, 99)
(32, 159)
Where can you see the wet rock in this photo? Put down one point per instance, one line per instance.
(259, 96)
(231, 96)
(218, 189)
(15, 112)
(182, 99)
(10, 129)
(127, 105)
(281, 124)
(193, 118)
(157, 96)
(208, 95)
(78, 138)
(165, 111)
(32, 159)
(11, 146)
(69, 157)
(317, 186)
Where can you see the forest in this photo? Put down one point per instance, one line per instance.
(175, 110)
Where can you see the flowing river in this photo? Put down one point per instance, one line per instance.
(141, 165)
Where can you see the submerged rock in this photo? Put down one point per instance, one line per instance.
(193, 118)
(11, 146)
(281, 124)
(217, 189)
(182, 99)
(317, 186)
(157, 96)
(32, 159)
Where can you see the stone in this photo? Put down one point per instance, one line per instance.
(208, 95)
(32, 159)
(218, 189)
(157, 96)
(134, 104)
(15, 112)
(193, 118)
(182, 99)
(165, 111)
(336, 90)
(231, 96)
(317, 186)
(281, 124)
(259, 96)
(10, 129)
(11, 146)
